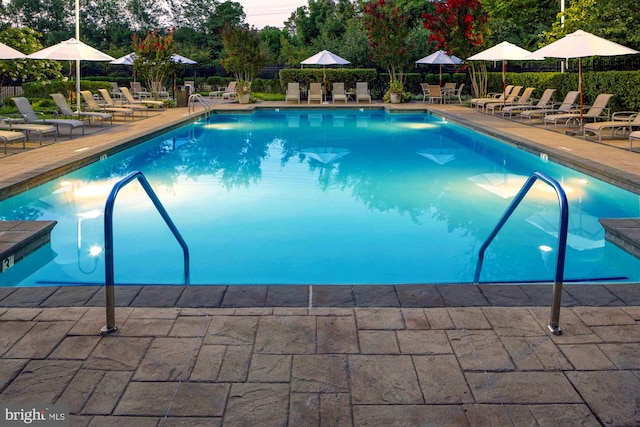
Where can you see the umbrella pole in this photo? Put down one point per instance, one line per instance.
(580, 86)
(325, 82)
(504, 81)
(440, 75)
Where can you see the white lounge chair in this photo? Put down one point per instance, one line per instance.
(491, 97)
(513, 100)
(362, 92)
(93, 105)
(130, 100)
(65, 110)
(108, 102)
(543, 102)
(338, 93)
(538, 113)
(597, 111)
(41, 130)
(622, 121)
(293, 92)
(30, 116)
(315, 93)
(8, 136)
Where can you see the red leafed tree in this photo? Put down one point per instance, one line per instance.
(458, 27)
(387, 33)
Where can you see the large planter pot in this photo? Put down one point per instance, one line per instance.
(395, 97)
(244, 98)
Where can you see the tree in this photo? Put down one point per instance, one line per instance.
(244, 55)
(153, 60)
(522, 28)
(26, 41)
(458, 27)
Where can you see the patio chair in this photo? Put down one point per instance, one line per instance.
(338, 93)
(621, 121)
(362, 92)
(93, 105)
(139, 91)
(230, 92)
(447, 90)
(512, 100)
(65, 110)
(425, 90)
(633, 136)
(10, 124)
(491, 97)
(8, 136)
(435, 94)
(108, 102)
(231, 87)
(457, 93)
(293, 92)
(115, 89)
(315, 93)
(31, 117)
(566, 106)
(597, 111)
(543, 102)
(130, 100)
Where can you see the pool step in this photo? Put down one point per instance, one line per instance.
(19, 238)
(624, 233)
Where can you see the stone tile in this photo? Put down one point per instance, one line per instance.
(515, 322)
(625, 356)
(419, 296)
(28, 297)
(319, 374)
(479, 350)
(208, 363)
(40, 381)
(75, 347)
(103, 421)
(384, 380)
(191, 422)
(613, 395)
(604, 316)
(409, 415)
(423, 342)
(232, 330)
(79, 420)
(201, 296)
(79, 389)
(154, 313)
(563, 415)
(415, 318)
(118, 353)
(286, 335)
(330, 311)
(521, 387)
(107, 393)
(155, 399)
(506, 296)
(333, 296)
(335, 409)
(9, 369)
(135, 327)
(190, 326)
(290, 311)
(257, 404)
(376, 296)
(57, 314)
(95, 318)
(270, 368)
(378, 342)
(379, 318)
(441, 380)
(574, 331)
(304, 409)
(287, 296)
(463, 296)
(629, 294)
(71, 296)
(586, 357)
(535, 353)
(40, 340)
(618, 333)
(124, 295)
(235, 364)
(337, 334)
(245, 296)
(253, 311)
(469, 318)
(23, 314)
(490, 415)
(592, 295)
(157, 296)
(167, 359)
(439, 318)
(11, 332)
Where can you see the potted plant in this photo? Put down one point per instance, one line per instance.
(395, 91)
(243, 88)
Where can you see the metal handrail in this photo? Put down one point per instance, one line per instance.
(192, 104)
(562, 242)
(108, 242)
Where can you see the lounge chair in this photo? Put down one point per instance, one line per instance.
(7, 136)
(230, 91)
(9, 124)
(621, 120)
(633, 136)
(491, 97)
(315, 93)
(566, 106)
(425, 90)
(435, 94)
(130, 100)
(511, 101)
(543, 102)
(293, 92)
(65, 110)
(362, 92)
(231, 88)
(30, 116)
(338, 93)
(93, 105)
(108, 102)
(597, 111)
(115, 89)
(457, 93)
(159, 91)
(139, 91)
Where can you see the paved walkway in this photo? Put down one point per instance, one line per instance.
(477, 356)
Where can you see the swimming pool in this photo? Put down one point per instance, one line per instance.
(321, 197)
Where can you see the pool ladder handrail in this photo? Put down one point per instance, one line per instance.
(562, 242)
(191, 104)
(108, 242)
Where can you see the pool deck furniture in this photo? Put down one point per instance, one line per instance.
(622, 122)
(598, 111)
(67, 111)
(566, 106)
(315, 93)
(338, 93)
(31, 117)
(8, 136)
(543, 102)
(293, 92)
(109, 102)
(93, 105)
(7, 123)
(524, 99)
(478, 103)
(130, 100)
(362, 92)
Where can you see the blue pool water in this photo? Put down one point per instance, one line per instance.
(321, 197)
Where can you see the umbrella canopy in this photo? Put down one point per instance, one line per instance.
(129, 58)
(325, 58)
(179, 59)
(440, 58)
(504, 52)
(580, 44)
(7, 52)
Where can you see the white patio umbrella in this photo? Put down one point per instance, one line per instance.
(580, 44)
(7, 52)
(504, 52)
(325, 58)
(130, 57)
(72, 50)
(440, 58)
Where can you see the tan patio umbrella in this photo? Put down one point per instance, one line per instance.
(7, 52)
(581, 44)
(325, 58)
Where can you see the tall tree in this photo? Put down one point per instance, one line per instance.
(522, 28)
(27, 41)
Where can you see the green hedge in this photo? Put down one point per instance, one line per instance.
(316, 75)
(42, 89)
